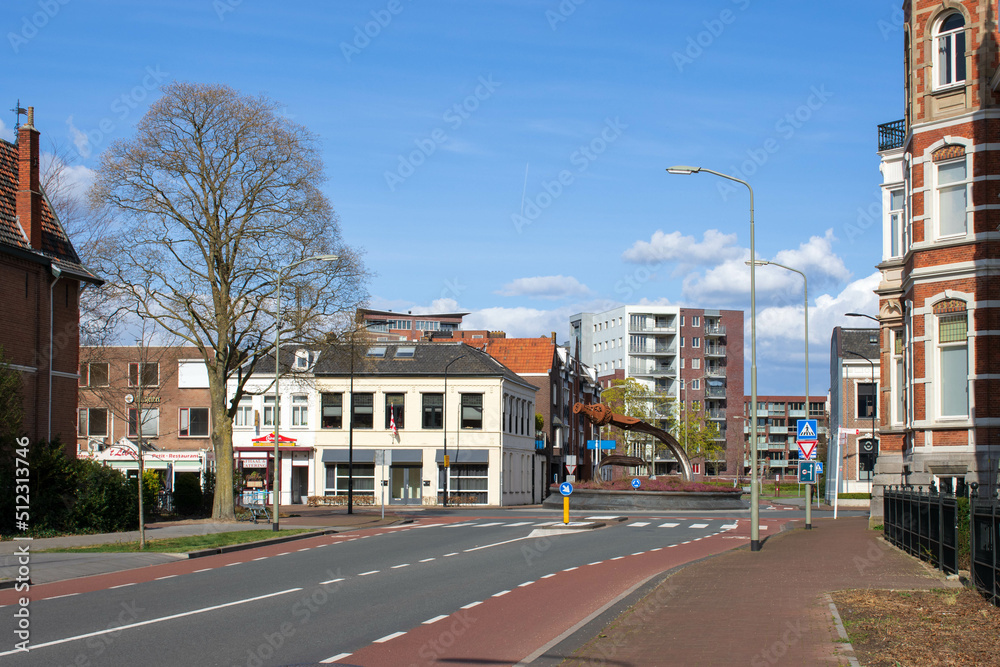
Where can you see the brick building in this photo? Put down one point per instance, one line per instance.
(386, 325)
(41, 276)
(693, 356)
(938, 313)
(562, 380)
(777, 446)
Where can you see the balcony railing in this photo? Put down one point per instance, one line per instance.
(715, 330)
(715, 372)
(891, 135)
(715, 414)
(715, 350)
(657, 349)
(644, 369)
(715, 392)
(653, 329)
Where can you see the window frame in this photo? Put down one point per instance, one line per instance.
(181, 421)
(365, 400)
(338, 405)
(897, 222)
(87, 431)
(134, 379)
(300, 410)
(873, 402)
(393, 399)
(468, 403)
(133, 414)
(941, 390)
(946, 73)
(244, 413)
(87, 373)
(430, 413)
(964, 185)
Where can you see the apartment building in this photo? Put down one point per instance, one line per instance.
(777, 446)
(693, 356)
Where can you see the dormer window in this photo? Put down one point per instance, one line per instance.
(301, 360)
(949, 40)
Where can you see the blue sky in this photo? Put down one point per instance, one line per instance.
(507, 158)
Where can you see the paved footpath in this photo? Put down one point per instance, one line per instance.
(757, 609)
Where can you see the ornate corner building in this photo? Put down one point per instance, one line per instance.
(939, 315)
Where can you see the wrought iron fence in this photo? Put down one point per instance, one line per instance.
(984, 528)
(923, 524)
(891, 135)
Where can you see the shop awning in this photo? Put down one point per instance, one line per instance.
(407, 456)
(464, 456)
(342, 456)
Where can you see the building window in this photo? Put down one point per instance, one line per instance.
(92, 422)
(300, 410)
(695, 341)
(695, 384)
(244, 412)
(695, 321)
(338, 478)
(269, 411)
(696, 364)
(949, 40)
(954, 364)
(952, 197)
(394, 410)
(363, 409)
(472, 411)
(149, 423)
(149, 376)
(94, 374)
(682, 341)
(866, 400)
(431, 408)
(332, 408)
(896, 199)
(899, 379)
(470, 482)
(193, 423)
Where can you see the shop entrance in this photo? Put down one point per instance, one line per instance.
(300, 483)
(404, 485)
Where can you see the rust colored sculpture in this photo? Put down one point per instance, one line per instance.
(601, 415)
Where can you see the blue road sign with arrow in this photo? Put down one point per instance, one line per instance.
(636, 483)
(565, 488)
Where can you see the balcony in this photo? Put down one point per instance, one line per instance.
(715, 414)
(654, 370)
(715, 329)
(652, 349)
(715, 350)
(715, 372)
(891, 135)
(715, 392)
(652, 329)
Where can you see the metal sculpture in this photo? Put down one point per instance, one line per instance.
(601, 415)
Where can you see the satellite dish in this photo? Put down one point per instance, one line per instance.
(129, 398)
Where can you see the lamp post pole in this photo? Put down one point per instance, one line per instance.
(276, 483)
(444, 428)
(805, 288)
(754, 490)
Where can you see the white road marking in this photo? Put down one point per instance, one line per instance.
(56, 597)
(427, 560)
(527, 583)
(336, 658)
(365, 574)
(169, 576)
(548, 576)
(519, 523)
(454, 553)
(669, 525)
(389, 637)
(119, 628)
(263, 558)
(239, 562)
(472, 604)
(570, 569)
(396, 567)
(639, 524)
(123, 585)
(485, 525)
(435, 619)
(205, 569)
(330, 581)
(729, 526)
(496, 595)
(698, 525)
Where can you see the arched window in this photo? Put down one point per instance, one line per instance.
(949, 42)
(953, 357)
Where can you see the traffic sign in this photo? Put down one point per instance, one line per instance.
(819, 467)
(570, 469)
(807, 472)
(601, 444)
(566, 488)
(636, 483)
(806, 429)
(807, 449)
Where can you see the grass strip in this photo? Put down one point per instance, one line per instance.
(183, 544)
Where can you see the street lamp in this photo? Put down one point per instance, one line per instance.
(444, 426)
(350, 417)
(754, 491)
(277, 376)
(805, 289)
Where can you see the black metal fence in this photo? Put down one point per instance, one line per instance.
(984, 529)
(891, 135)
(923, 524)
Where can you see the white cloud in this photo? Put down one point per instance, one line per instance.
(545, 287)
(522, 322)
(816, 258)
(437, 306)
(663, 247)
(80, 139)
(74, 180)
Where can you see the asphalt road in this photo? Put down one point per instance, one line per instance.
(490, 588)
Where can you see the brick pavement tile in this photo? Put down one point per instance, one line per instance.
(757, 609)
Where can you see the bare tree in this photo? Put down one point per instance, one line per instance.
(213, 197)
(100, 313)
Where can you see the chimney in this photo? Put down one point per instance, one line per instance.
(29, 191)
(553, 337)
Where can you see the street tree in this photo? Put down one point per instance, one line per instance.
(698, 435)
(216, 194)
(634, 399)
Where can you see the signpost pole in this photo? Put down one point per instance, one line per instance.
(565, 510)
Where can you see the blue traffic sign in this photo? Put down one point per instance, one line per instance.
(819, 467)
(565, 488)
(636, 483)
(807, 472)
(806, 429)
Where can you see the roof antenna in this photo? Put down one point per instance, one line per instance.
(18, 111)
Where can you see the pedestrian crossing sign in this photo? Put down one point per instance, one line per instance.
(806, 429)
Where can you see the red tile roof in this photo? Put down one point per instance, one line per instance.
(55, 242)
(521, 355)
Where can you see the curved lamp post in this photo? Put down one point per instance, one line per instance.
(754, 490)
(277, 377)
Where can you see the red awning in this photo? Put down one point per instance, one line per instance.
(269, 439)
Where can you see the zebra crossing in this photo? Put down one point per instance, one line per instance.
(655, 523)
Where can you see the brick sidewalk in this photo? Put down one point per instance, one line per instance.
(756, 609)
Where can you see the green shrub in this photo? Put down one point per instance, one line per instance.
(106, 501)
(962, 519)
(854, 496)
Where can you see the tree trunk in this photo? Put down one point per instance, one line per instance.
(223, 508)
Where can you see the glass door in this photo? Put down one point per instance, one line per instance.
(404, 485)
